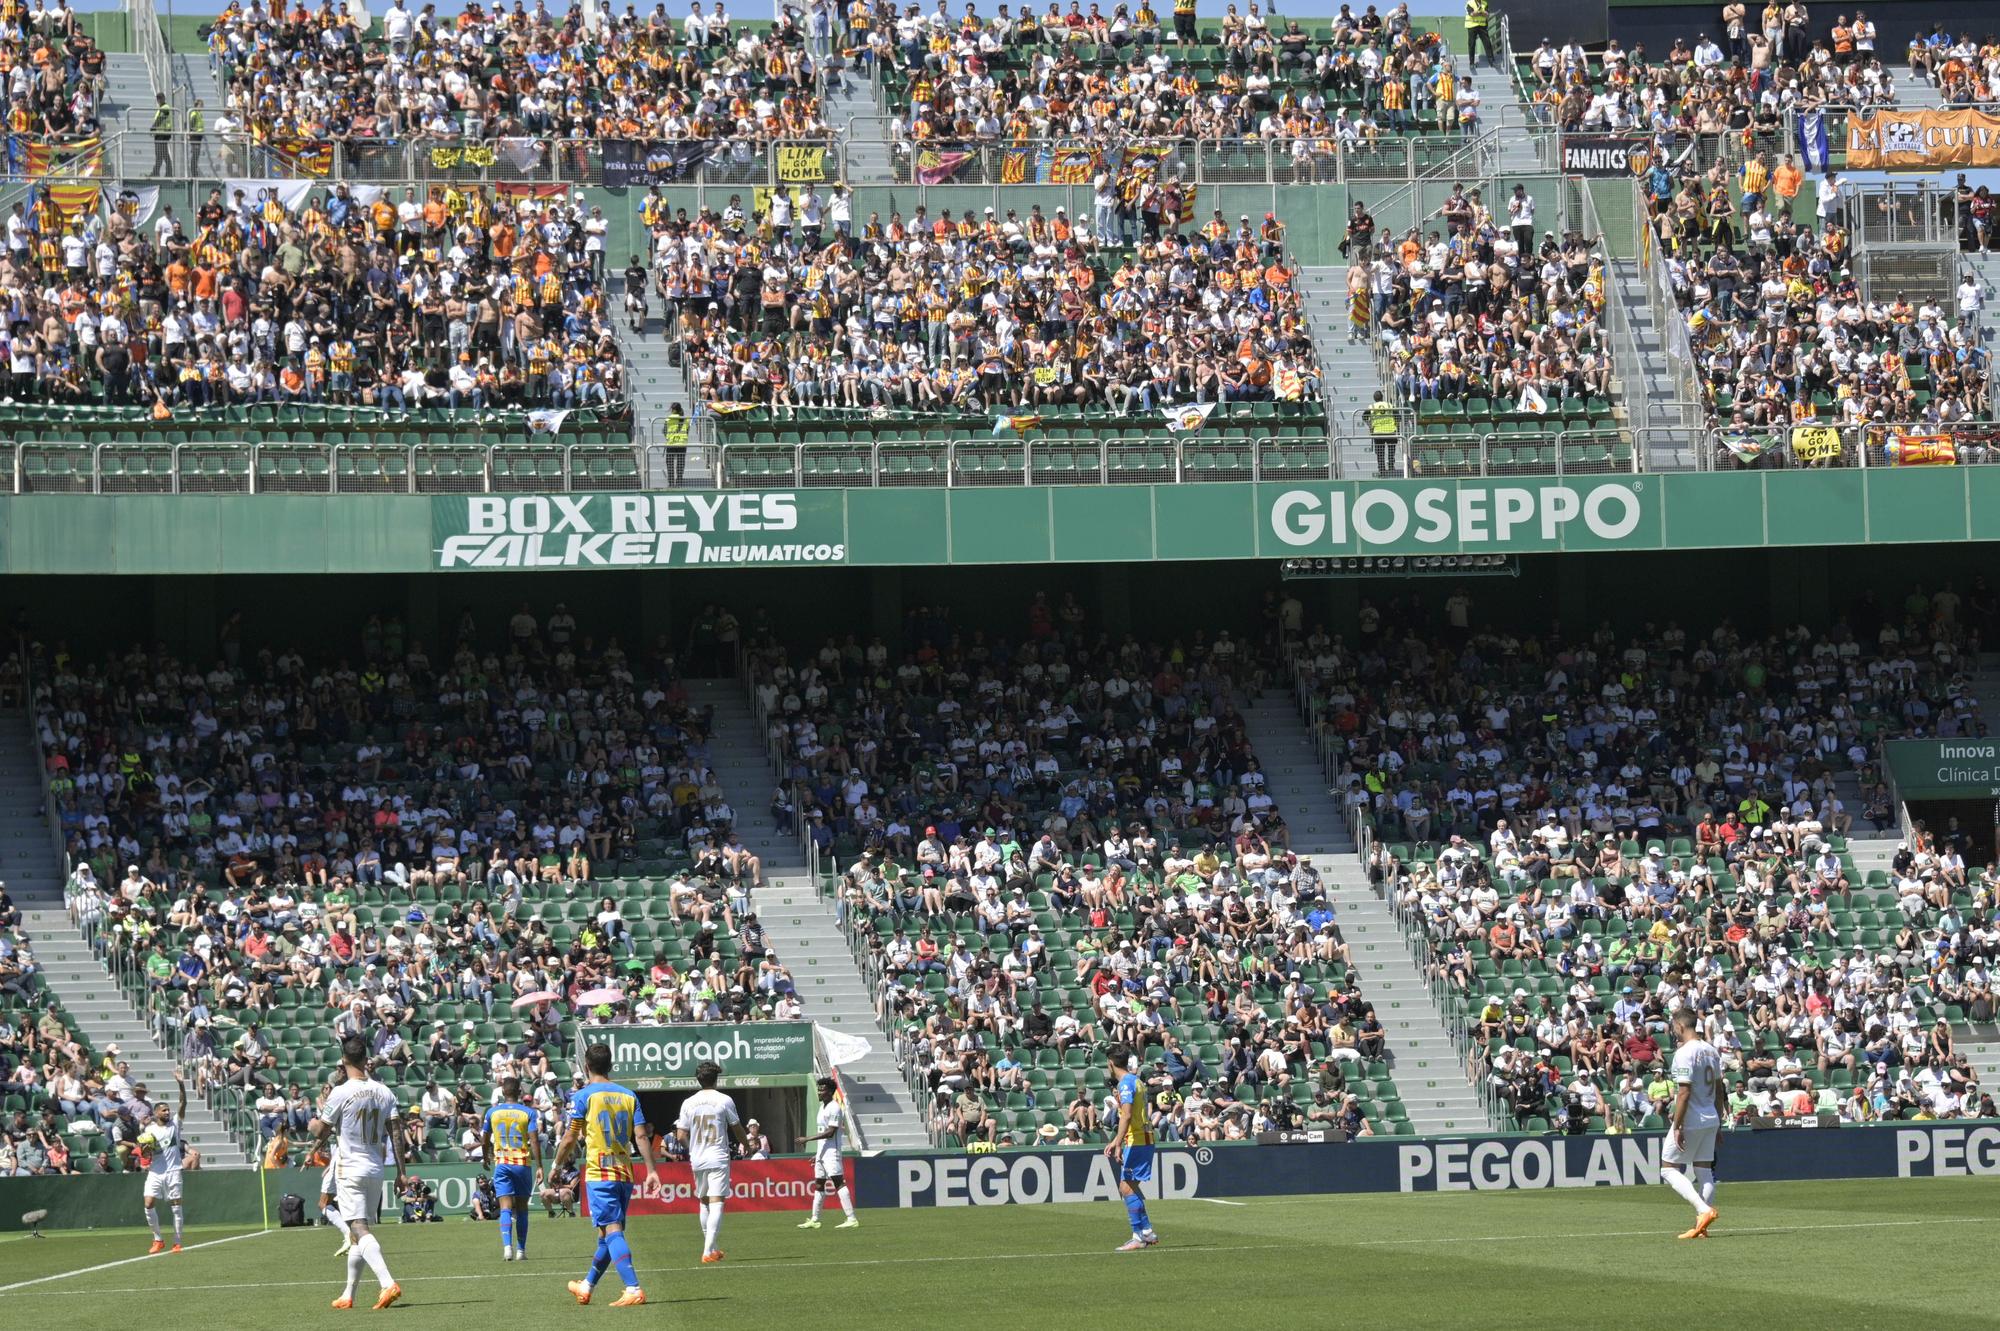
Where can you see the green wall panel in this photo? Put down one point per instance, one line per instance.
(898, 527)
(1102, 524)
(1816, 507)
(1722, 512)
(392, 534)
(999, 526)
(1907, 506)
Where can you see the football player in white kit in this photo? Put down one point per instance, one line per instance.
(1696, 1122)
(163, 1169)
(327, 1209)
(829, 1175)
(361, 1114)
(707, 1126)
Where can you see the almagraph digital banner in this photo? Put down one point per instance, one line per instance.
(1410, 1164)
(1891, 140)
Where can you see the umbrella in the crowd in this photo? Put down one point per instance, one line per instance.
(539, 996)
(592, 997)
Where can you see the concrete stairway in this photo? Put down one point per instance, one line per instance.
(1516, 153)
(655, 383)
(105, 1016)
(1422, 1058)
(1648, 386)
(1986, 267)
(128, 106)
(801, 926)
(851, 110)
(70, 969)
(1349, 369)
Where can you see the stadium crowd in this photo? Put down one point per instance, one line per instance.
(64, 1108)
(352, 296)
(54, 70)
(1604, 814)
(1775, 317)
(1482, 308)
(1746, 82)
(379, 843)
(1057, 843)
(531, 75)
(796, 311)
(1014, 78)
(1964, 68)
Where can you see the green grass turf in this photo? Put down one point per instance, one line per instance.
(1847, 1254)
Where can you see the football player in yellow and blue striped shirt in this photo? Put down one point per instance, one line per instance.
(513, 1147)
(1131, 1145)
(605, 1118)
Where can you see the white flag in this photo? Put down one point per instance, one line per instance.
(1190, 417)
(547, 420)
(1532, 401)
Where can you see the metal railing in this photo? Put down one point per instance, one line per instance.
(1331, 750)
(1687, 404)
(736, 162)
(1814, 446)
(1392, 156)
(151, 42)
(345, 468)
(982, 463)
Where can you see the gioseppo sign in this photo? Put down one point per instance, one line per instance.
(652, 1058)
(637, 530)
(1460, 516)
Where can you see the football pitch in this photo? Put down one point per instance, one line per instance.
(1848, 1254)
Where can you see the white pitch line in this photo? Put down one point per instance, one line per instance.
(127, 1261)
(416, 1283)
(1724, 1232)
(1216, 1201)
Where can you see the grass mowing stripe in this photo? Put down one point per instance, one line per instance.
(416, 1283)
(1721, 1233)
(127, 1261)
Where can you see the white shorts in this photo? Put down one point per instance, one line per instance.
(165, 1183)
(357, 1193)
(327, 1186)
(827, 1165)
(1692, 1146)
(710, 1184)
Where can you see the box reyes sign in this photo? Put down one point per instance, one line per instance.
(637, 530)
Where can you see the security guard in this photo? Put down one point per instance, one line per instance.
(163, 137)
(197, 125)
(674, 443)
(1477, 19)
(1382, 425)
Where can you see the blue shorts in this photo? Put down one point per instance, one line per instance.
(513, 1181)
(1136, 1165)
(608, 1199)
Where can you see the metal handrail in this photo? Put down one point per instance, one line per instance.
(151, 42)
(1871, 445)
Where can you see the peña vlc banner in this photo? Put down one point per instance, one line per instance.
(1891, 140)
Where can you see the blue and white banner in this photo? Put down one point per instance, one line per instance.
(1812, 140)
(1412, 1164)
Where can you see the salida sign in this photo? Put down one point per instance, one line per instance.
(1460, 517)
(637, 530)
